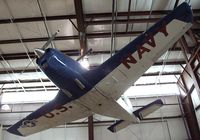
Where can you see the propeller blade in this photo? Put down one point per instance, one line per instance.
(89, 51)
(50, 40)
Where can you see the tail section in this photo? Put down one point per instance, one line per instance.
(140, 114)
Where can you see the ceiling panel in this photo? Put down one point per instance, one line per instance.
(4, 14)
(97, 6)
(58, 7)
(68, 44)
(23, 8)
(64, 26)
(32, 29)
(12, 48)
(99, 44)
(8, 31)
(195, 4)
(17, 64)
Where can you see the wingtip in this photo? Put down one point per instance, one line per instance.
(14, 131)
(111, 128)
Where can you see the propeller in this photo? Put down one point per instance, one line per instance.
(40, 51)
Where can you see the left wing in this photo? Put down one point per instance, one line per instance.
(59, 111)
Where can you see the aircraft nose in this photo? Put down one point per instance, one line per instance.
(39, 52)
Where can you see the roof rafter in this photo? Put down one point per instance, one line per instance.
(88, 16)
(15, 56)
(81, 25)
(89, 36)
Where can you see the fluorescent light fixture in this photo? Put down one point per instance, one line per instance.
(5, 107)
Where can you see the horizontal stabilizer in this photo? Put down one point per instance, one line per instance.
(118, 125)
(148, 109)
(140, 114)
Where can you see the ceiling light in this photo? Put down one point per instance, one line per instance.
(84, 63)
(5, 107)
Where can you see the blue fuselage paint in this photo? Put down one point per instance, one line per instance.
(64, 72)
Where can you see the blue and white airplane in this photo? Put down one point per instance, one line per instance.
(85, 92)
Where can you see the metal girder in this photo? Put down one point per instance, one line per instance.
(122, 21)
(90, 128)
(89, 36)
(14, 56)
(88, 16)
(176, 62)
(125, 21)
(163, 73)
(188, 88)
(81, 25)
(128, 16)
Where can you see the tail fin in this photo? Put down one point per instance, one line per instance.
(140, 113)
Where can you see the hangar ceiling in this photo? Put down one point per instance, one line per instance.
(104, 26)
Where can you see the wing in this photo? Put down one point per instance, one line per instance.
(157, 40)
(57, 112)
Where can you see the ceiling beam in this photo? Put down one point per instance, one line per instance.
(15, 56)
(88, 16)
(125, 21)
(81, 25)
(122, 21)
(89, 36)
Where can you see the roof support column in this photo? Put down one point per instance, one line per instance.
(81, 25)
(90, 128)
(191, 83)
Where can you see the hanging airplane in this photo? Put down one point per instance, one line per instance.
(85, 92)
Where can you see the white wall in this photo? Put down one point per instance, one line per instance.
(172, 129)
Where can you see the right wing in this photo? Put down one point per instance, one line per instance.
(59, 111)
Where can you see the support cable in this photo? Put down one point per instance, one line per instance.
(45, 23)
(113, 28)
(12, 72)
(150, 14)
(20, 38)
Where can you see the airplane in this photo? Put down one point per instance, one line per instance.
(84, 92)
